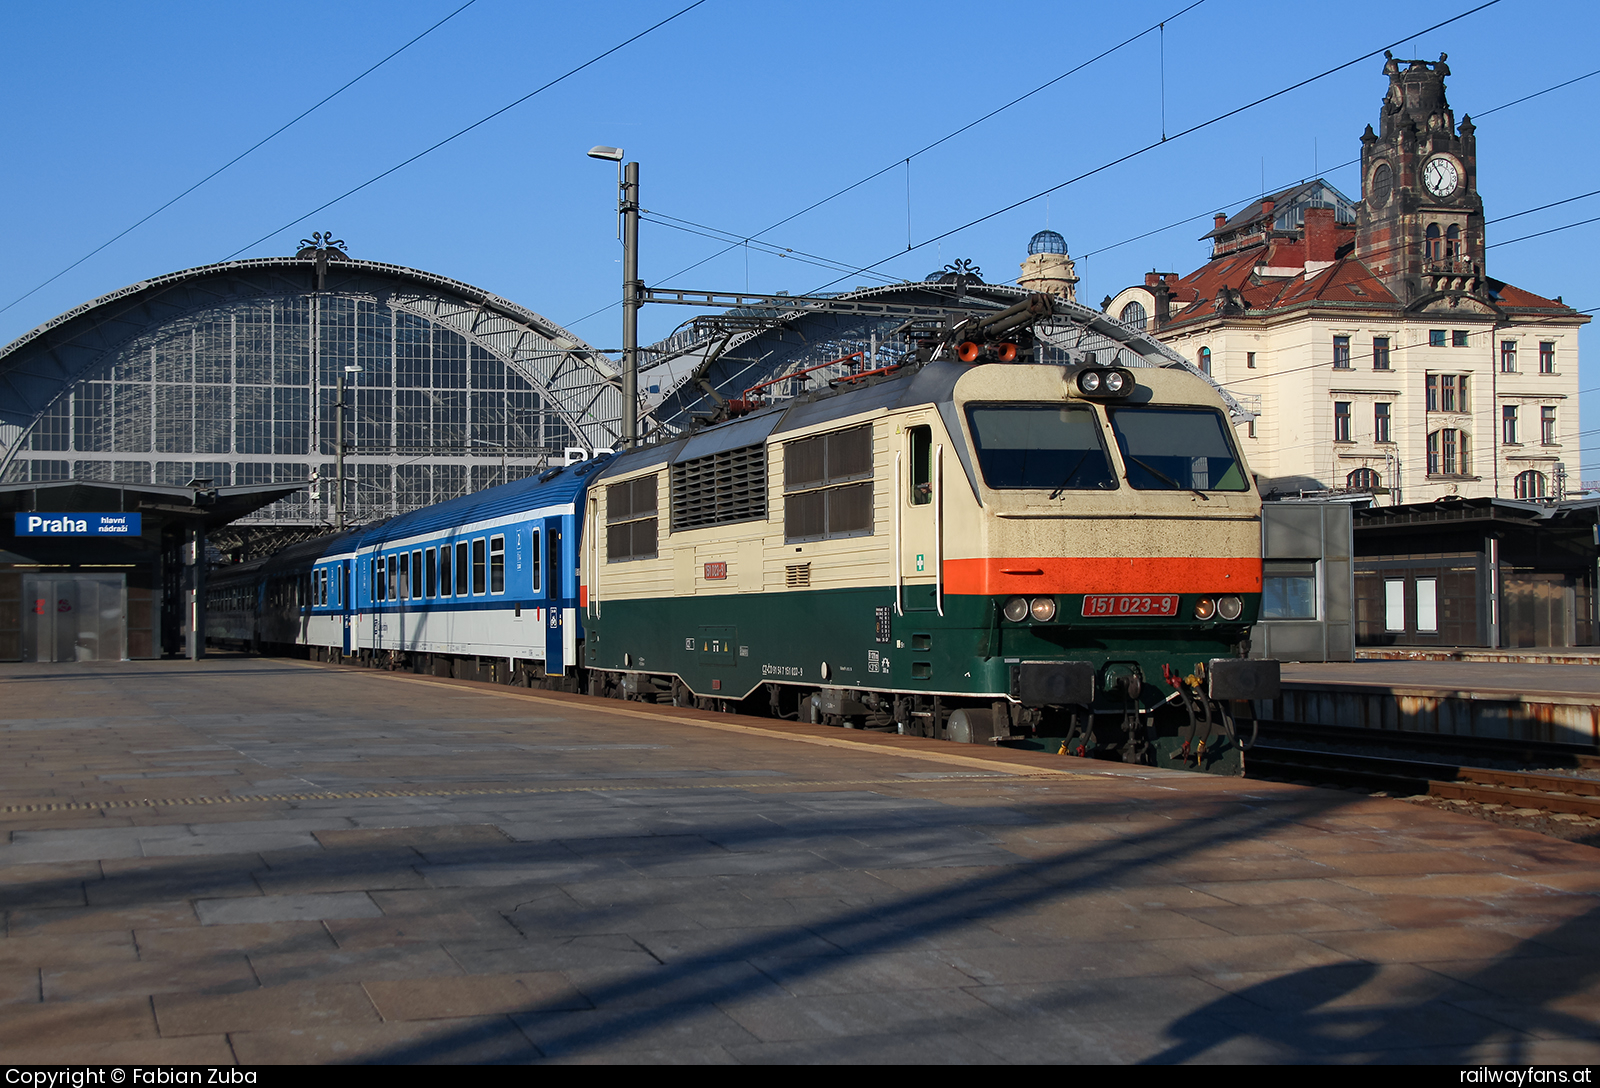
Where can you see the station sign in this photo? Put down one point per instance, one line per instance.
(45, 524)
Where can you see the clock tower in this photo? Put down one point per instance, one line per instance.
(1419, 226)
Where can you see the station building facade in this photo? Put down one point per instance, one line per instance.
(204, 404)
(1378, 353)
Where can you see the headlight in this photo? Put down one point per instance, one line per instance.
(1016, 609)
(1229, 608)
(1204, 608)
(1043, 608)
(1089, 382)
(1113, 382)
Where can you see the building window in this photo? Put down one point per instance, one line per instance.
(1363, 479)
(1452, 242)
(1205, 360)
(1133, 316)
(1508, 356)
(1380, 422)
(1380, 353)
(1250, 359)
(631, 519)
(1447, 453)
(1458, 338)
(1341, 421)
(1547, 357)
(1530, 485)
(1341, 353)
(1508, 424)
(1547, 425)
(1431, 247)
(1446, 392)
(1289, 589)
(1436, 338)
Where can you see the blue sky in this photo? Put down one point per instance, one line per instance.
(742, 114)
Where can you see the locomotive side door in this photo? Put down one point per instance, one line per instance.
(916, 509)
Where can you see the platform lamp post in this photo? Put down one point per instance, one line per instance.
(628, 212)
(338, 451)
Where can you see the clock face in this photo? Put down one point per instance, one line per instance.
(1441, 176)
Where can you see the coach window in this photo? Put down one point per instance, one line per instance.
(374, 579)
(921, 465)
(433, 573)
(497, 564)
(477, 566)
(536, 583)
(416, 574)
(461, 569)
(394, 578)
(444, 570)
(405, 575)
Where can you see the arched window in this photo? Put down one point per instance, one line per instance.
(1452, 242)
(1363, 479)
(1431, 249)
(1530, 485)
(1205, 360)
(1133, 316)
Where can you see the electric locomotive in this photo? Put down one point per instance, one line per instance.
(981, 551)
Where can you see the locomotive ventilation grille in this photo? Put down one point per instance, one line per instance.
(797, 574)
(720, 488)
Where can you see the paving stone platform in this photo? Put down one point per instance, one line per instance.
(260, 860)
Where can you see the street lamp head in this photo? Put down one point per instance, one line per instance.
(352, 370)
(601, 151)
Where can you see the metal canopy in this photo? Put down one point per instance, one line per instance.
(770, 336)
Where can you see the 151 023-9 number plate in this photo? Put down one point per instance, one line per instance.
(1131, 604)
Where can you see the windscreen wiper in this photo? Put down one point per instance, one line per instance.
(1176, 486)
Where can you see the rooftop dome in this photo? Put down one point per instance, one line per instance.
(1047, 241)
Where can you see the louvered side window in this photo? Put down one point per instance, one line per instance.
(822, 497)
(631, 519)
(720, 488)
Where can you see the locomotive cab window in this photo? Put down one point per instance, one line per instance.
(821, 498)
(1041, 447)
(1177, 449)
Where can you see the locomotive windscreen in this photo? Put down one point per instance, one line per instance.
(1177, 449)
(1040, 446)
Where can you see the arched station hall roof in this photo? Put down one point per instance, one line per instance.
(571, 387)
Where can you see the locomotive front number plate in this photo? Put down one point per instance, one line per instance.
(1128, 604)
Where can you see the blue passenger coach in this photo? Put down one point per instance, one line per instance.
(492, 575)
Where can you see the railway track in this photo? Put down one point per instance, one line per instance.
(1484, 785)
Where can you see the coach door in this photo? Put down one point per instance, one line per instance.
(347, 588)
(556, 580)
(918, 508)
(74, 618)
